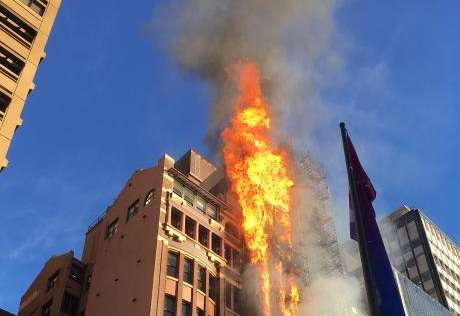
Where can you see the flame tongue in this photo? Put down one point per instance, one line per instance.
(259, 177)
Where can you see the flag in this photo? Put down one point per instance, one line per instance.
(383, 294)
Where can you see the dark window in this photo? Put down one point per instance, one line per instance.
(16, 26)
(228, 255)
(69, 304)
(203, 236)
(176, 218)
(52, 281)
(190, 227)
(149, 197)
(76, 273)
(88, 282)
(170, 306)
(236, 260)
(228, 295)
(11, 62)
(188, 271)
(173, 262)
(232, 230)
(46, 309)
(202, 279)
(132, 210)
(213, 288)
(199, 312)
(186, 308)
(216, 244)
(237, 300)
(4, 103)
(36, 6)
(112, 228)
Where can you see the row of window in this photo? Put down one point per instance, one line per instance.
(177, 221)
(195, 200)
(76, 274)
(16, 27)
(69, 305)
(172, 270)
(170, 307)
(132, 210)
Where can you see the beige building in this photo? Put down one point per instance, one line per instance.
(426, 255)
(168, 245)
(24, 29)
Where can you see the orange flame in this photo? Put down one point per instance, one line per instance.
(258, 173)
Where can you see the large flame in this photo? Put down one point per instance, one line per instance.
(259, 177)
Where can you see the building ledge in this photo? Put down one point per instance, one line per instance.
(174, 233)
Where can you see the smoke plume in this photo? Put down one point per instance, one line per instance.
(294, 44)
(292, 41)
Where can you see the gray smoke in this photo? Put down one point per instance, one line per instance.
(292, 41)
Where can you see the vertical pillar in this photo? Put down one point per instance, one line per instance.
(221, 300)
(180, 284)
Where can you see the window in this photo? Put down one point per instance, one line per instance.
(199, 312)
(190, 227)
(16, 26)
(228, 254)
(188, 271)
(228, 295)
(189, 196)
(236, 260)
(237, 300)
(232, 230)
(216, 244)
(88, 282)
(69, 304)
(132, 210)
(200, 204)
(412, 229)
(203, 236)
(36, 6)
(212, 211)
(149, 197)
(46, 309)
(52, 281)
(178, 188)
(4, 103)
(186, 308)
(176, 218)
(112, 228)
(402, 236)
(173, 261)
(202, 279)
(13, 64)
(170, 306)
(76, 273)
(213, 288)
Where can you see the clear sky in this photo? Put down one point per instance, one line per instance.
(109, 101)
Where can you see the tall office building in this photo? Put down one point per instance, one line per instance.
(24, 29)
(420, 250)
(168, 245)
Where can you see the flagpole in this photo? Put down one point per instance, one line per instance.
(364, 254)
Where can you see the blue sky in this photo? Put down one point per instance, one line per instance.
(109, 101)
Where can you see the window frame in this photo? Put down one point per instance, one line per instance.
(149, 197)
(170, 267)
